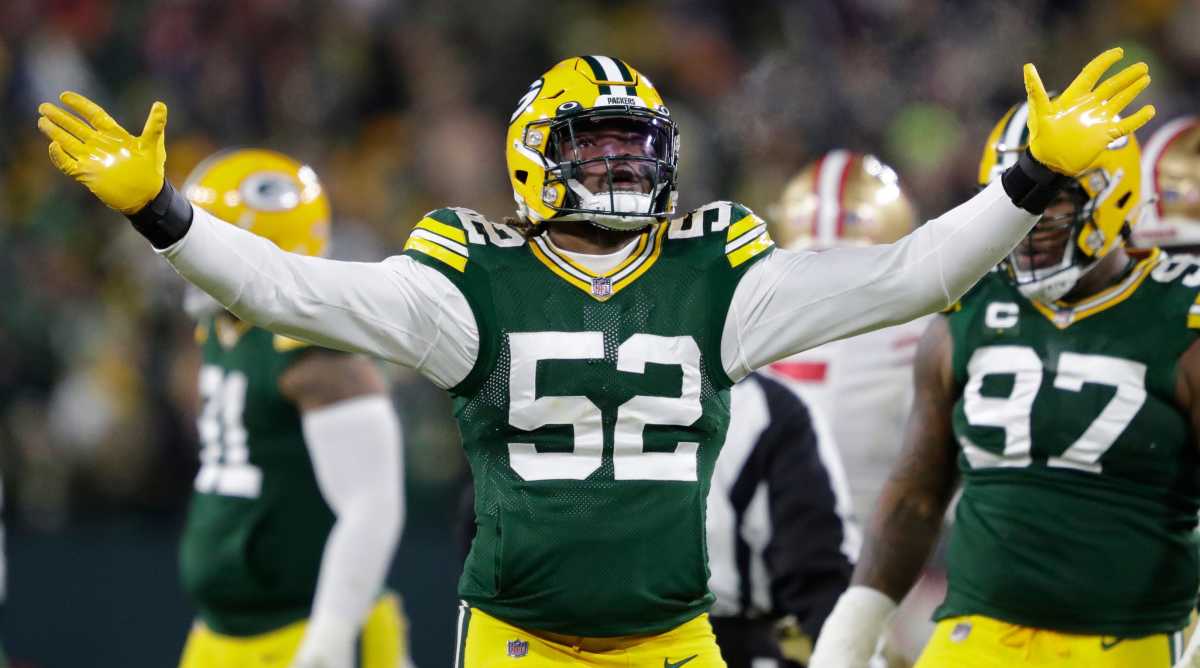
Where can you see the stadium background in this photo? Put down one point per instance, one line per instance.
(401, 107)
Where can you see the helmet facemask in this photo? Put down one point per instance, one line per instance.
(1090, 219)
(1048, 262)
(600, 147)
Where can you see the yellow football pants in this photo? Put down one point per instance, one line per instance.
(976, 641)
(383, 643)
(487, 642)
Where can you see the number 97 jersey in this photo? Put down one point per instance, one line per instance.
(1079, 466)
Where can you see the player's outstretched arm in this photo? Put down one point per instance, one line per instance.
(794, 301)
(354, 442)
(394, 309)
(906, 523)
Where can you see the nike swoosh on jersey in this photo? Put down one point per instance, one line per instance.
(667, 662)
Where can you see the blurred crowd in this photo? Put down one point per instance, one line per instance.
(401, 107)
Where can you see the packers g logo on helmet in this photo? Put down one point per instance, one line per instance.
(843, 198)
(1107, 198)
(547, 168)
(267, 193)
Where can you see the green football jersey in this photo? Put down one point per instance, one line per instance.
(593, 416)
(257, 524)
(1079, 491)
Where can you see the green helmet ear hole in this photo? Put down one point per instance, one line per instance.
(568, 108)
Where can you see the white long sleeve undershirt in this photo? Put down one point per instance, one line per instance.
(407, 313)
(357, 454)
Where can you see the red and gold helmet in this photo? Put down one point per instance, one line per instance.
(544, 161)
(843, 198)
(1171, 186)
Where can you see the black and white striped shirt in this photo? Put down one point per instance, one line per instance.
(781, 540)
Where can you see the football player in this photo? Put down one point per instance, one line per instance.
(298, 502)
(1171, 189)
(589, 348)
(1064, 391)
(1171, 220)
(781, 542)
(860, 385)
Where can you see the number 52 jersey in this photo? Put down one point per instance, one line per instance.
(592, 417)
(1079, 465)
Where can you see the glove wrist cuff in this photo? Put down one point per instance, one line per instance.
(1031, 185)
(166, 219)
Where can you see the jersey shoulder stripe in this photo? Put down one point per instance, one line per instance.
(745, 235)
(450, 236)
(441, 236)
(285, 344)
(746, 238)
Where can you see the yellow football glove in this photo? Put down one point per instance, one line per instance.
(1068, 133)
(123, 171)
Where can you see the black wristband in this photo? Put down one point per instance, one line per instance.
(166, 219)
(1031, 185)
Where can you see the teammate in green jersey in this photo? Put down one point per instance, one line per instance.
(590, 345)
(1064, 391)
(298, 500)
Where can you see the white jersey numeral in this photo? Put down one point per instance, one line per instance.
(528, 411)
(1012, 413)
(225, 466)
(630, 459)
(1174, 265)
(1128, 377)
(482, 231)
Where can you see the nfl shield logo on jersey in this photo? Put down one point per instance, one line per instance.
(518, 648)
(960, 632)
(602, 286)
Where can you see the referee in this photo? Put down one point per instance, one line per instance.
(781, 544)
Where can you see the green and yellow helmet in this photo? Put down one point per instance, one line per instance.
(1107, 199)
(267, 193)
(544, 164)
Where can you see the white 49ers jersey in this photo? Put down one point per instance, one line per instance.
(861, 388)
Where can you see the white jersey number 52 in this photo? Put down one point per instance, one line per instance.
(630, 459)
